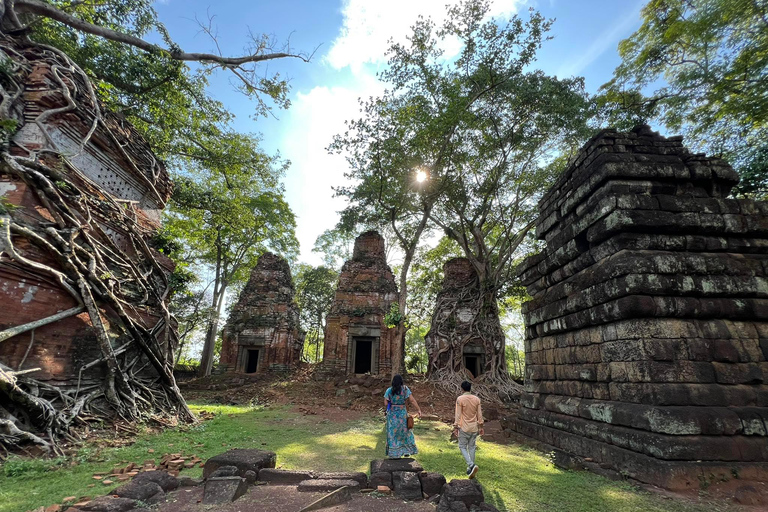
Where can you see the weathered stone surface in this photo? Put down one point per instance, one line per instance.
(284, 476)
(109, 504)
(407, 485)
(336, 497)
(225, 489)
(358, 476)
(392, 465)
(188, 481)
(251, 477)
(645, 333)
(318, 485)
(365, 292)
(164, 480)
(225, 471)
(431, 483)
(447, 505)
(264, 319)
(145, 491)
(469, 492)
(243, 460)
(381, 478)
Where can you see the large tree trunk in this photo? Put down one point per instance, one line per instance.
(209, 347)
(398, 347)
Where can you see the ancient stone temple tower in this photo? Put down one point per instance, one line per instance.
(112, 165)
(647, 332)
(262, 332)
(357, 339)
(454, 342)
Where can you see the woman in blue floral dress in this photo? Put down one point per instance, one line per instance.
(400, 440)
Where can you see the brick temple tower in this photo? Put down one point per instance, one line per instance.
(357, 339)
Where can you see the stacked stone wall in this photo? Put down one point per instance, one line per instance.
(647, 330)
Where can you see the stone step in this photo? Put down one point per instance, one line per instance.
(359, 477)
(327, 485)
(284, 476)
(392, 465)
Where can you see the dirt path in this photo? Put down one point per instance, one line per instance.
(285, 498)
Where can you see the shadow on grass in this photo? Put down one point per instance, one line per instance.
(514, 478)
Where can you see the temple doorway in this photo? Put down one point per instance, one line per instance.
(472, 363)
(363, 348)
(474, 359)
(252, 361)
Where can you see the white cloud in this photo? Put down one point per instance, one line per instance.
(368, 25)
(314, 118)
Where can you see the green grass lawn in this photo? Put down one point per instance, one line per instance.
(514, 478)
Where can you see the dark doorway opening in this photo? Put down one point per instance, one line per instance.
(472, 363)
(363, 356)
(252, 363)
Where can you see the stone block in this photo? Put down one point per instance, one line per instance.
(243, 460)
(381, 478)
(146, 491)
(407, 485)
(284, 476)
(225, 489)
(360, 477)
(225, 471)
(469, 492)
(164, 480)
(392, 465)
(323, 485)
(431, 483)
(739, 373)
(109, 504)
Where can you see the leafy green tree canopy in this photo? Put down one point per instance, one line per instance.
(706, 62)
(315, 290)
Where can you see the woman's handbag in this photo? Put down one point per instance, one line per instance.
(409, 422)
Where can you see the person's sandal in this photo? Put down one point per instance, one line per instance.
(473, 472)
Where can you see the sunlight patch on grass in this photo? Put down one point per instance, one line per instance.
(514, 478)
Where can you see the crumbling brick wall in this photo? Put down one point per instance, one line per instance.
(647, 331)
(265, 319)
(364, 295)
(114, 158)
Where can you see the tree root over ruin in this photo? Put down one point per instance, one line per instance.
(450, 333)
(114, 284)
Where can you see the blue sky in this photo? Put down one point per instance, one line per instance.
(350, 40)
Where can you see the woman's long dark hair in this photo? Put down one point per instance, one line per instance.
(397, 385)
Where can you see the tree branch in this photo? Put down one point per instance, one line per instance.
(43, 9)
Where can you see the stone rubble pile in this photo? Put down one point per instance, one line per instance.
(228, 476)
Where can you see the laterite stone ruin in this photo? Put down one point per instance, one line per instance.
(357, 339)
(647, 331)
(262, 332)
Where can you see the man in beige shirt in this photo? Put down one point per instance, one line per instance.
(468, 425)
